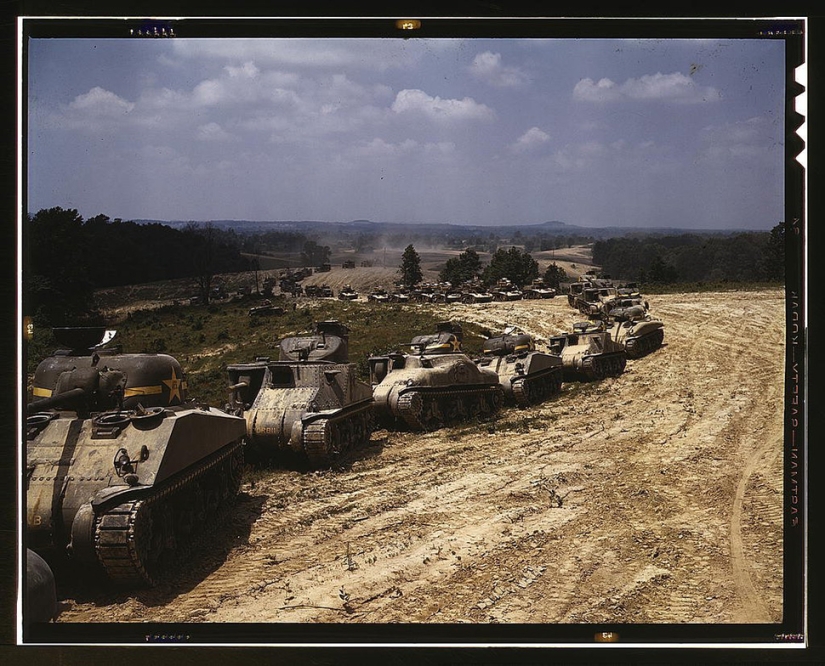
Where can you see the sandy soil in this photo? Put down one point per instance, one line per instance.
(654, 497)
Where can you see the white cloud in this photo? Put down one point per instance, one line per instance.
(100, 102)
(531, 139)
(324, 53)
(487, 67)
(247, 70)
(745, 139)
(211, 132)
(435, 108)
(675, 87)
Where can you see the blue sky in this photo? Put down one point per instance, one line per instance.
(594, 132)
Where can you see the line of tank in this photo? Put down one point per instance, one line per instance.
(125, 473)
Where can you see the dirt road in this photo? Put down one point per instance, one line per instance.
(654, 497)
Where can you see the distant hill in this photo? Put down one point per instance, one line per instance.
(552, 227)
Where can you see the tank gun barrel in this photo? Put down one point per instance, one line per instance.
(55, 400)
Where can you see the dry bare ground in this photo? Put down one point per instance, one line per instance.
(654, 497)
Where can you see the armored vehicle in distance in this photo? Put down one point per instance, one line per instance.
(348, 293)
(538, 288)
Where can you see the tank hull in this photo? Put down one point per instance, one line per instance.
(82, 472)
(639, 337)
(590, 356)
(528, 378)
(427, 392)
(310, 403)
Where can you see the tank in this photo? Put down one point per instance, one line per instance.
(379, 295)
(538, 288)
(435, 385)
(634, 328)
(588, 353)
(265, 309)
(308, 403)
(122, 470)
(527, 376)
(348, 294)
(475, 293)
(505, 290)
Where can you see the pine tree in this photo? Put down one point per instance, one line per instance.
(410, 269)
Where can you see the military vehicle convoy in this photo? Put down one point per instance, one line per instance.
(309, 402)
(528, 376)
(588, 353)
(122, 471)
(435, 385)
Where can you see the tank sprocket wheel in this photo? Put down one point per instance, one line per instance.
(138, 541)
(410, 408)
(322, 442)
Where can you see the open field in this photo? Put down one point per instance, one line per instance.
(654, 497)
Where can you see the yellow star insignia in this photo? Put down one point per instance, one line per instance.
(455, 344)
(175, 385)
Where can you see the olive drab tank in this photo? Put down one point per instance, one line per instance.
(634, 328)
(435, 385)
(121, 470)
(528, 376)
(588, 353)
(309, 402)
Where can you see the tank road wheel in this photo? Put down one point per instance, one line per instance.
(555, 382)
(432, 417)
(493, 401)
(148, 540)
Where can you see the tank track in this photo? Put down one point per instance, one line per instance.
(132, 540)
(529, 391)
(326, 440)
(430, 410)
(604, 365)
(638, 347)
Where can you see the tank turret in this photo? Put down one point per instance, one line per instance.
(310, 402)
(122, 471)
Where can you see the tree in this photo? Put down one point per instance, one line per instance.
(58, 269)
(660, 272)
(775, 253)
(314, 254)
(410, 269)
(519, 267)
(555, 275)
(204, 256)
(462, 268)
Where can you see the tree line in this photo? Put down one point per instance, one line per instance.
(741, 257)
(66, 258)
(512, 263)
